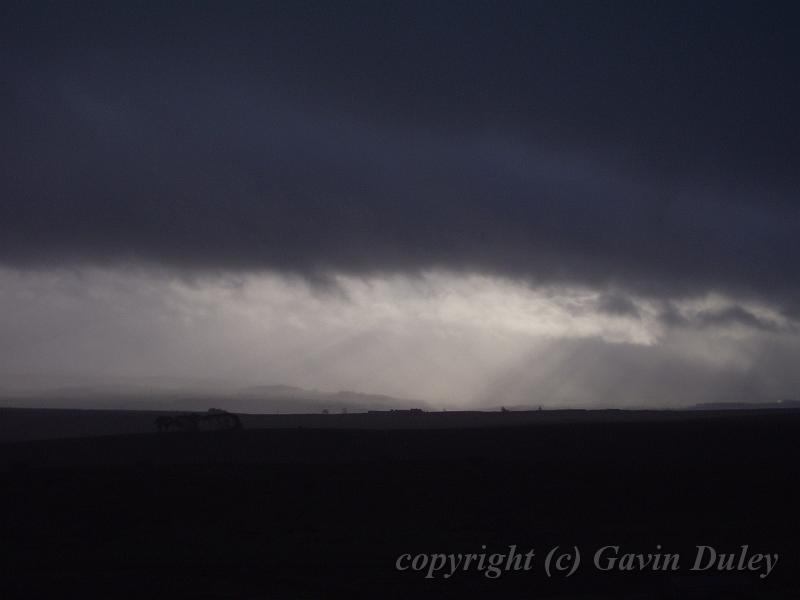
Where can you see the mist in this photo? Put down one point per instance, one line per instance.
(448, 339)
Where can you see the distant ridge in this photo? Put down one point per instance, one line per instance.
(746, 405)
(254, 399)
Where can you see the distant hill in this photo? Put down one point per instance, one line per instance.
(254, 400)
(746, 405)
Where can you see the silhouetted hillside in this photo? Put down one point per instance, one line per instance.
(296, 513)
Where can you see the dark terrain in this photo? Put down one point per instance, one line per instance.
(299, 511)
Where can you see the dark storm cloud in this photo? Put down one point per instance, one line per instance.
(649, 147)
(672, 317)
(733, 315)
(722, 318)
(617, 304)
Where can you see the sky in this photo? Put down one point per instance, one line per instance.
(471, 203)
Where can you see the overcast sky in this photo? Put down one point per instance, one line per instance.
(475, 203)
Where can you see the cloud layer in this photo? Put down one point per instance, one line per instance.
(570, 203)
(654, 150)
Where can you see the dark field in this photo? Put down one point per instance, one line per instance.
(305, 512)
